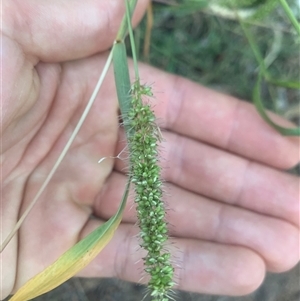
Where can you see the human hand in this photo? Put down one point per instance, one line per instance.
(233, 213)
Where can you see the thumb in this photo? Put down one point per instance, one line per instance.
(59, 30)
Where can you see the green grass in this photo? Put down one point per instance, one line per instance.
(213, 50)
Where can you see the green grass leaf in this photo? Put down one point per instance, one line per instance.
(123, 27)
(256, 91)
(283, 83)
(260, 108)
(122, 80)
(290, 15)
(73, 260)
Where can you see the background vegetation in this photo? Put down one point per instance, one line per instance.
(191, 40)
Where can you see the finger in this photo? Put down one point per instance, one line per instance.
(199, 266)
(63, 30)
(225, 177)
(193, 216)
(228, 178)
(221, 120)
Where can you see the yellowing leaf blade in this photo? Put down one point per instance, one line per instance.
(73, 260)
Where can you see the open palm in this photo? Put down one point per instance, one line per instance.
(233, 213)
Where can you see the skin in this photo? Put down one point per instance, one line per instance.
(234, 212)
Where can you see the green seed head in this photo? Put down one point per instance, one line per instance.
(145, 174)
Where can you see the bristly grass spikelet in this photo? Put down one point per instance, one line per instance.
(145, 174)
(143, 136)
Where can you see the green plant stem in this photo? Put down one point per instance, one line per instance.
(123, 27)
(132, 42)
(290, 15)
(253, 46)
(260, 108)
(256, 92)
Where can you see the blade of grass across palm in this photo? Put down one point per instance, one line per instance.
(122, 80)
(61, 156)
(121, 70)
(73, 260)
(260, 108)
(123, 28)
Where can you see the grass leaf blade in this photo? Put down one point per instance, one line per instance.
(260, 108)
(123, 28)
(122, 80)
(73, 260)
(290, 15)
(283, 83)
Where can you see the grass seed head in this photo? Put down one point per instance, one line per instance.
(145, 172)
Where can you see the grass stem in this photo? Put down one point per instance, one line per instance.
(290, 15)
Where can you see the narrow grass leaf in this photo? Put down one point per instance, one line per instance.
(260, 108)
(283, 83)
(123, 27)
(256, 92)
(253, 46)
(61, 156)
(290, 15)
(73, 260)
(122, 80)
(264, 8)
